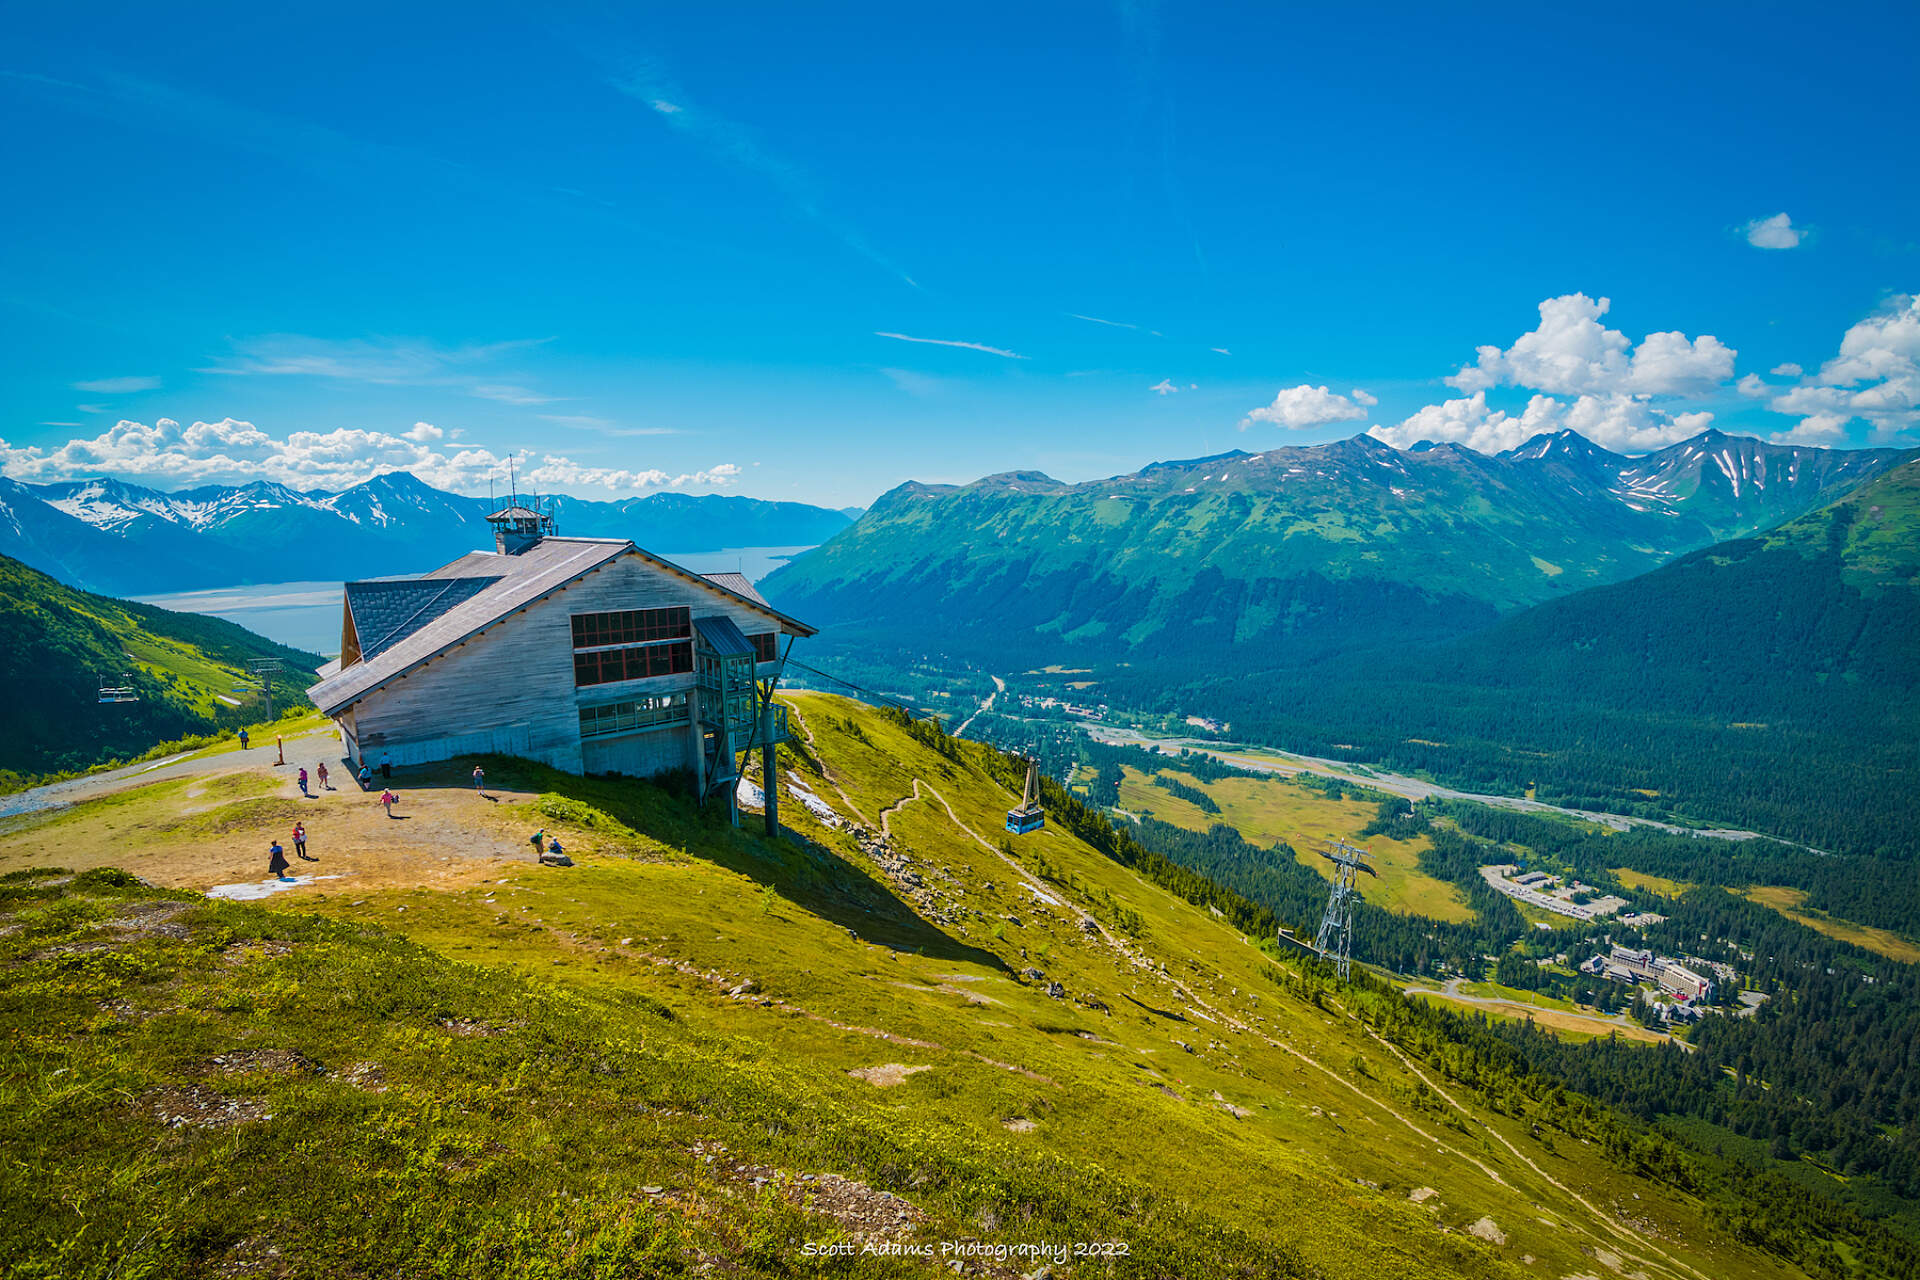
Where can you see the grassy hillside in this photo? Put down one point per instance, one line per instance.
(700, 1049)
(58, 645)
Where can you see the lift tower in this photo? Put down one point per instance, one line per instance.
(1335, 940)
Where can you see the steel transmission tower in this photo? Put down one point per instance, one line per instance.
(1335, 939)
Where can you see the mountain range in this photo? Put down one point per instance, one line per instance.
(1292, 554)
(112, 536)
(1768, 682)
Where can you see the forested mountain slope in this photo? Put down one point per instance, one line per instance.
(58, 646)
(1771, 682)
(1297, 553)
(701, 1046)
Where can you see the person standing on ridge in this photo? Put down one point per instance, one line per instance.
(479, 778)
(386, 766)
(303, 783)
(243, 739)
(300, 841)
(320, 772)
(277, 862)
(387, 801)
(366, 777)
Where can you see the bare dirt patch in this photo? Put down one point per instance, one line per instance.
(259, 949)
(863, 1211)
(194, 1107)
(365, 1075)
(157, 919)
(244, 1062)
(1487, 1229)
(886, 1075)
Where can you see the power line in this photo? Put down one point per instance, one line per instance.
(872, 694)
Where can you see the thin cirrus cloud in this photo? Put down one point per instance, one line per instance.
(378, 360)
(470, 369)
(1111, 324)
(602, 426)
(117, 386)
(733, 144)
(951, 342)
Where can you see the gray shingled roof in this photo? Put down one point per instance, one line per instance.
(385, 613)
(738, 584)
(511, 581)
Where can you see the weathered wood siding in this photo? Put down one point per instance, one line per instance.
(509, 690)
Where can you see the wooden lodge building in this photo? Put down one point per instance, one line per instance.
(587, 654)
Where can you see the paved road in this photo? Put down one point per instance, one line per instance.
(307, 748)
(1270, 760)
(999, 687)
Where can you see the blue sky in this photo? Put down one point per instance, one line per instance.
(663, 247)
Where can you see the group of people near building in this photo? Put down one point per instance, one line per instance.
(545, 849)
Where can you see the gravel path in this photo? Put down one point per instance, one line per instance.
(307, 748)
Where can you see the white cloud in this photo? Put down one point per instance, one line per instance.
(1164, 387)
(1777, 232)
(117, 386)
(1787, 370)
(1571, 353)
(1825, 430)
(1754, 387)
(949, 342)
(1468, 421)
(1220, 351)
(565, 473)
(1626, 424)
(1361, 397)
(234, 452)
(1668, 364)
(1301, 407)
(1876, 376)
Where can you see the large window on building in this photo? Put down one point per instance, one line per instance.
(637, 662)
(636, 713)
(764, 647)
(631, 626)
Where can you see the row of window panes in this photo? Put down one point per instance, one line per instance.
(631, 626)
(641, 713)
(604, 666)
(763, 647)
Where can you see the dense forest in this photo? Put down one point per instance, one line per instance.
(1827, 1070)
